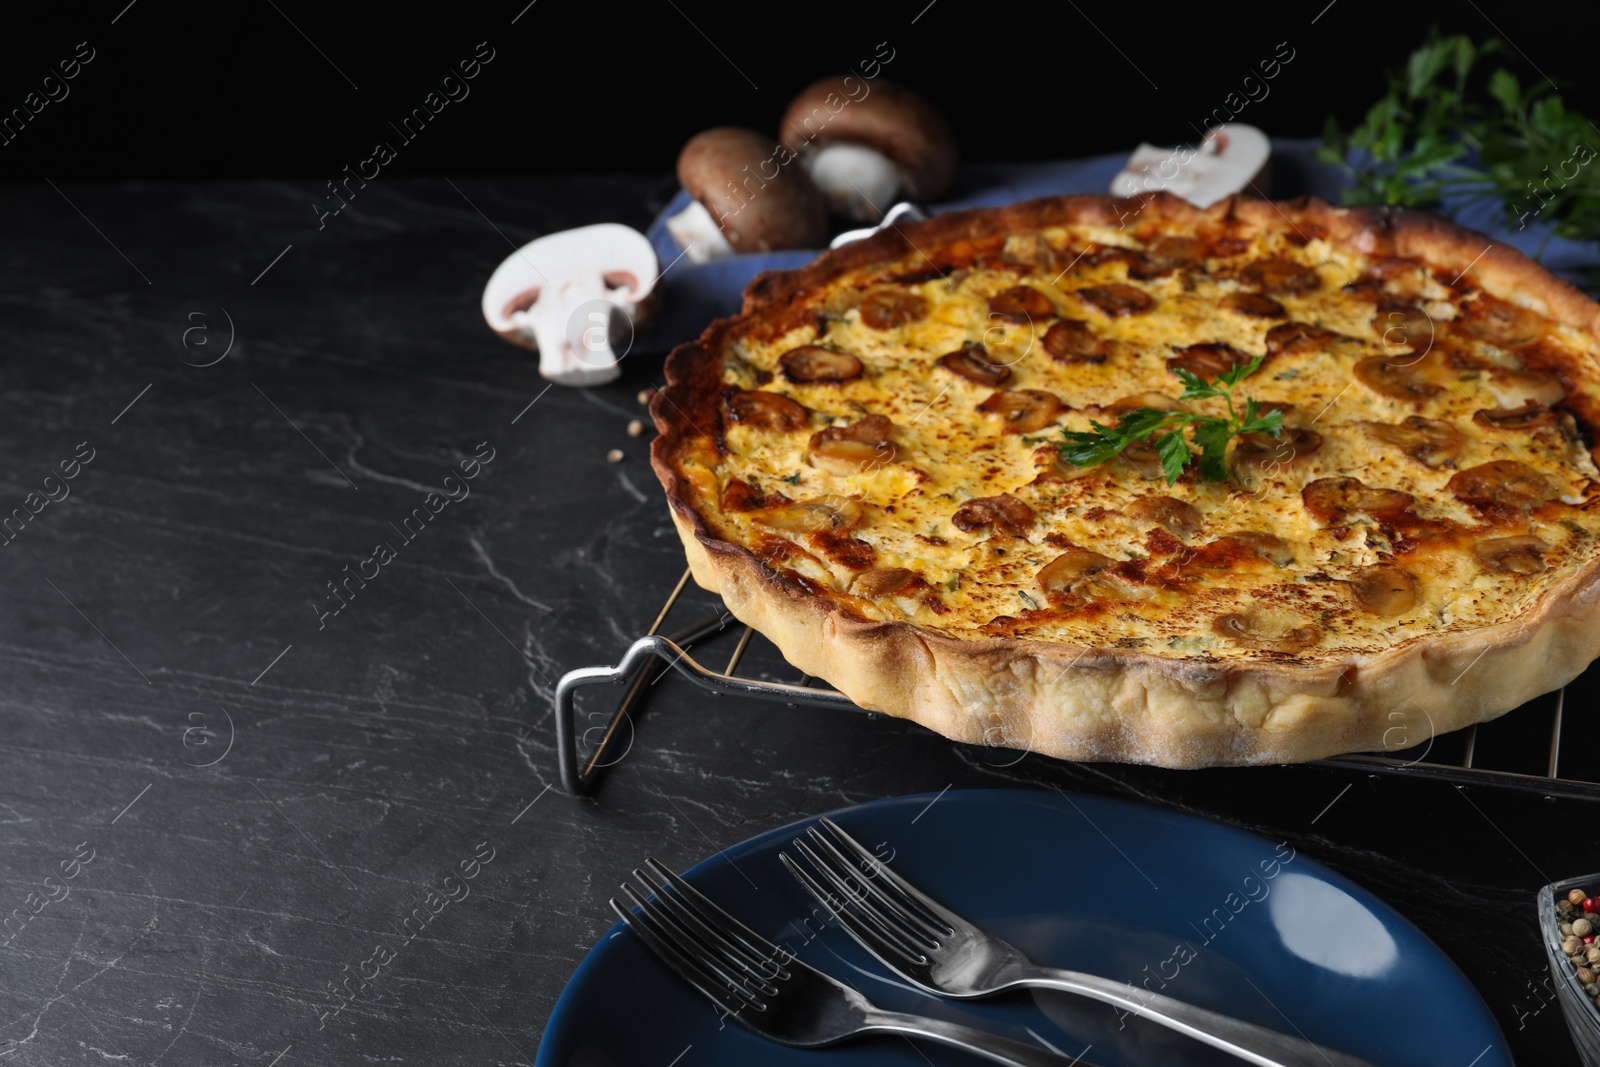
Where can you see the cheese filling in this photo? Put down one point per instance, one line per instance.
(904, 458)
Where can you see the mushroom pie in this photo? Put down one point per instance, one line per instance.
(1130, 480)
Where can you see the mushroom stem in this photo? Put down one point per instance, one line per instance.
(697, 234)
(854, 179)
(572, 351)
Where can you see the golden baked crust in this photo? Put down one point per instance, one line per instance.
(838, 516)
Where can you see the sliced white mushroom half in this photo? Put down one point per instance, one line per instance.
(575, 297)
(1231, 158)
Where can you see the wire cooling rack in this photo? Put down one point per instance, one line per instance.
(1523, 750)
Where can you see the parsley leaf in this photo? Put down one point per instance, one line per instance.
(1194, 386)
(1090, 449)
(1174, 453)
(1270, 423)
(1143, 422)
(1239, 372)
(1212, 437)
(1165, 429)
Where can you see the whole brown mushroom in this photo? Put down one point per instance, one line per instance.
(867, 144)
(747, 196)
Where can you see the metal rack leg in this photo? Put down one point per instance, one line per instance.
(642, 664)
(638, 680)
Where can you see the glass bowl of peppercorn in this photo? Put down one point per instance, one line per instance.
(1569, 915)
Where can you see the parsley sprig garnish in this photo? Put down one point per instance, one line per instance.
(1448, 131)
(1211, 433)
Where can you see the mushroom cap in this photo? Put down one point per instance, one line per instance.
(890, 118)
(752, 189)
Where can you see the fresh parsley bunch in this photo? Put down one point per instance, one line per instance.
(1211, 432)
(1445, 131)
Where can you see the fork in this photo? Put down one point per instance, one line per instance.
(772, 993)
(940, 952)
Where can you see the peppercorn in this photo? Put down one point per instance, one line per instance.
(1578, 920)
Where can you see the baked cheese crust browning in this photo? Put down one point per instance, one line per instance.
(865, 465)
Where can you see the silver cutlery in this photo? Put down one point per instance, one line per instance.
(768, 990)
(939, 951)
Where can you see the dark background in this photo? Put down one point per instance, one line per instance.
(185, 91)
(229, 895)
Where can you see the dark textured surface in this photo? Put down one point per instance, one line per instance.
(376, 753)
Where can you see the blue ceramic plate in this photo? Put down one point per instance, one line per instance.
(1199, 911)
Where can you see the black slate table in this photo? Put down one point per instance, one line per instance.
(217, 796)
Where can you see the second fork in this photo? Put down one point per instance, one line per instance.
(939, 951)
